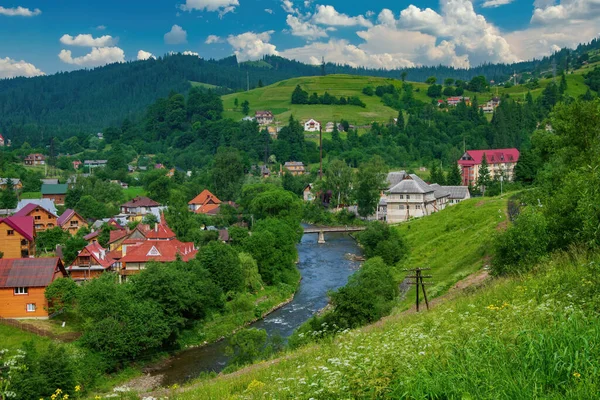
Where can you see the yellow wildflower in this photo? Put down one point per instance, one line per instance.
(66, 397)
(77, 388)
(577, 375)
(255, 385)
(97, 398)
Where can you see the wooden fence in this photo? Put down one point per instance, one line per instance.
(63, 337)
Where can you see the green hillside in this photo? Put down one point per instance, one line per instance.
(277, 98)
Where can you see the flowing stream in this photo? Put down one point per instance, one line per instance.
(323, 267)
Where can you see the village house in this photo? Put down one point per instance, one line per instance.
(94, 163)
(307, 193)
(49, 181)
(312, 126)
(17, 237)
(2, 141)
(35, 159)
(139, 206)
(329, 127)
(48, 204)
(453, 101)
(43, 219)
(91, 262)
(264, 117)
(501, 162)
(295, 167)
(204, 202)
(56, 192)
(17, 184)
(70, 221)
(457, 193)
(76, 164)
(23, 282)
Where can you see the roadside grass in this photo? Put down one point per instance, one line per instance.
(533, 336)
(12, 338)
(30, 195)
(134, 191)
(454, 242)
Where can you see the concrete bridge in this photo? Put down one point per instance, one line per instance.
(320, 230)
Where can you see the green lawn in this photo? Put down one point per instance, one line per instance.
(203, 85)
(31, 195)
(13, 338)
(133, 191)
(277, 98)
(454, 243)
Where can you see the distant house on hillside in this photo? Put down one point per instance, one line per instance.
(453, 101)
(500, 162)
(329, 127)
(295, 167)
(94, 163)
(139, 206)
(307, 193)
(17, 184)
(76, 164)
(312, 126)
(23, 282)
(264, 117)
(55, 192)
(35, 159)
(204, 203)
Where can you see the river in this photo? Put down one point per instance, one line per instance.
(323, 267)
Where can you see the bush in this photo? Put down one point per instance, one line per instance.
(522, 244)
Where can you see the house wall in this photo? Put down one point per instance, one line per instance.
(73, 228)
(15, 305)
(42, 219)
(11, 245)
(84, 274)
(59, 199)
(471, 174)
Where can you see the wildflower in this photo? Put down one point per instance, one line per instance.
(66, 397)
(255, 385)
(577, 375)
(77, 388)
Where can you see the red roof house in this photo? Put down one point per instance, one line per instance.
(17, 236)
(139, 205)
(92, 261)
(136, 256)
(22, 285)
(204, 203)
(500, 162)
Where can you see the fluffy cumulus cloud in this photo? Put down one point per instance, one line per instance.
(87, 40)
(251, 45)
(190, 53)
(210, 39)
(10, 68)
(19, 12)
(288, 7)
(304, 28)
(145, 55)
(328, 15)
(268, 11)
(222, 6)
(176, 35)
(495, 3)
(546, 12)
(97, 57)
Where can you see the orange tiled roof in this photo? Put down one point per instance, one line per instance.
(204, 197)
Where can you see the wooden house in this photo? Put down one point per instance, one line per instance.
(23, 282)
(42, 218)
(70, 221)
(92, 261)
(295, 167)
(204, 203)
(55, 192)
(35, 159)
(17, 237)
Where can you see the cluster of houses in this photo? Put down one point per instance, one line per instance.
(23, 278)
(487, 108)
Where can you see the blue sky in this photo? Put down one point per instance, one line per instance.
(41, 36)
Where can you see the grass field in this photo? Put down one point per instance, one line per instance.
(277, 98)
(31, 195)
(133, 191)
(13, 338)
(203, 85)
(454, 243)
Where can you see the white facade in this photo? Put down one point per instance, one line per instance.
(312, 126)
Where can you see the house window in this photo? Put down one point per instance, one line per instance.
(400, 207)
(10, 232)
(74, 223)
(38, 217)
(401, 197)
(31, 307)
(24, 242)
(418, 206)
(21, 290)
(408, 197)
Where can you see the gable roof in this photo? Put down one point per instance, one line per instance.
(159, 250)
(395, 177)
(439, 191)
(141, 201)
(160, 231)
(207, 209)
(492, 156)
(411, 184)
(29, 272)
(457, 192)
(60, 188)
(21, 224)
(48, 204)
(67, 215)
(98, 253)
(50, 181)
(91, 235)
(204, 197)
(15, 181)
(25, 211)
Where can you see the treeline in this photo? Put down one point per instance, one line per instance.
(300, 96)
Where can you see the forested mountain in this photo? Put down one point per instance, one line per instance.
(85, 101)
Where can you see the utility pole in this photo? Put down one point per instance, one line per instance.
(418, 281)
(320, 152)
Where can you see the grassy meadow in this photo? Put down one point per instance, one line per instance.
(525, 337)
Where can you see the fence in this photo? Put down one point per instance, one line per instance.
(63, 337)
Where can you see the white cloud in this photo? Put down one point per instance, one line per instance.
(569, 11)
(145, 55)
(97, 57)
(288, 7)
(250, 45)
(222, 6)
(495, 3)
(369, 14)
(190, 53)
(426, 20)
(386, 17)
(341, 51)
(304, 28)
(19, 12)
(176, 35)
(87, 40)
(101, 27)
(328, 15)
(10, 68)
(210, 39)
(268, 11)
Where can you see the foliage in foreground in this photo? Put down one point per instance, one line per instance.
(529, 337)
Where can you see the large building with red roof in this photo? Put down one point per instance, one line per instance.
(22, 285)
(136, 255)
(500, 162)
(92, 261)
(17, 237)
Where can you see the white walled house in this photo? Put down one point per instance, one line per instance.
(312, 126)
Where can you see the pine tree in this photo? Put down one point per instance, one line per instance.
(260, 83)
(563, 84)
(454, 177)
(484, 175)
(8, 197)
(436, 174)
(400, 121)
